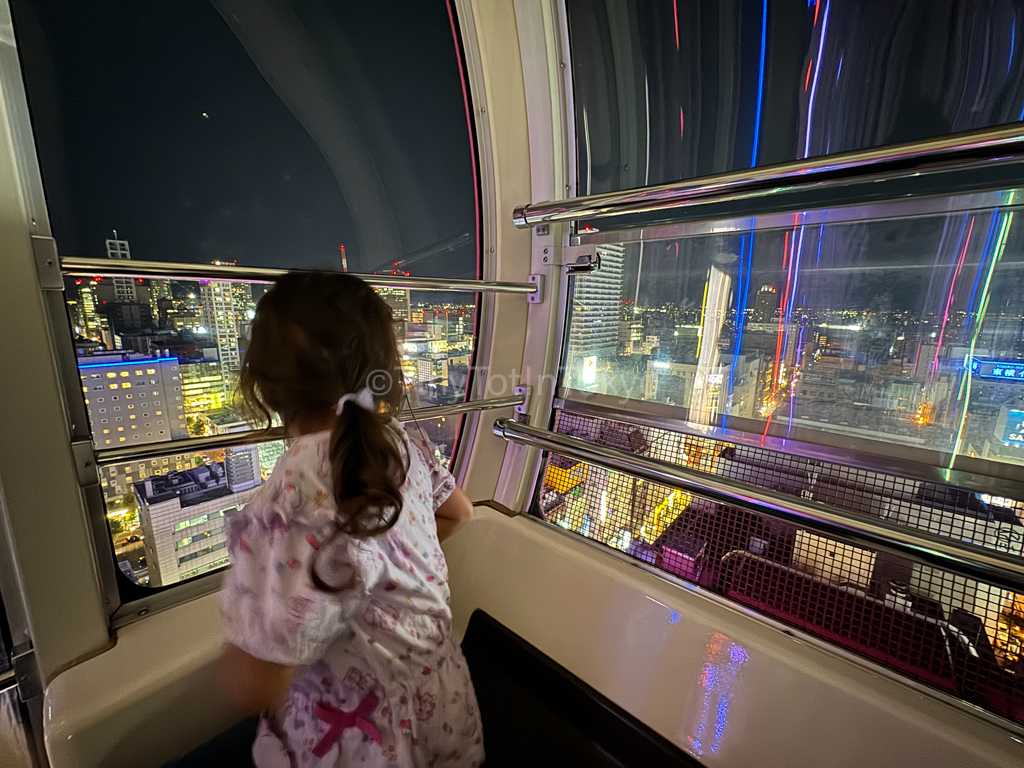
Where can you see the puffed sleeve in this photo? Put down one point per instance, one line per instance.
(271, 608)
(441, 480)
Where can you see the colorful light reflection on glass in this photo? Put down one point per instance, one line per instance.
(722, 661)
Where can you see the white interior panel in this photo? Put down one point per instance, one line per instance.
(676, 659)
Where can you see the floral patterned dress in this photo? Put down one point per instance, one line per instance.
(381, 681)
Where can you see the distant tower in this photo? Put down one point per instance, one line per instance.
(766, 305)
(597, 296)
(401, 309)
(124, 287)
(91, 321)
(219, 315)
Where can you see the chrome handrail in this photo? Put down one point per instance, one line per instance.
(171, 270)
(914, 158)
(107, 457)
(995, 568)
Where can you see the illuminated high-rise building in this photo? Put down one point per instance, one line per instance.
(594, 336)
(244, 303)
(91, 320)
(183, 520)
(160, 294)
(398, 300)
(218, 304)
(766, 305)
(133, 400)
(161, 289)
(203, 387)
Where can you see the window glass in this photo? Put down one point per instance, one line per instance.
(893, 611)
(285, 134)
(903, 330)
(175, 515)
(674, 90)
(169, 525)
(189, 338)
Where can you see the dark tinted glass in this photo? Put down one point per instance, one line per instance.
(269, 133)
(673, 90)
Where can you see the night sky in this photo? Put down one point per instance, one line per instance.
(300, 126)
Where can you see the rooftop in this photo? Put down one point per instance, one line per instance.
(189, 486)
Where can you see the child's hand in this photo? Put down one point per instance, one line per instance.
(254, 685)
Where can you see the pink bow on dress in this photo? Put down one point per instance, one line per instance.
(337, 721)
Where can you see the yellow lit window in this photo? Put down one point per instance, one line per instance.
(111, 375)
(85, 389)
(113, 386)
(159, 413)
(120, 429)
(120, 439)
(124, 374)
(131, 407)
(107, 442)
(126, 385)
(132, 416)
(106, 432)
(150, 371)
(138, 373)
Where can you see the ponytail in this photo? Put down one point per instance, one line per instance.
(368, 469)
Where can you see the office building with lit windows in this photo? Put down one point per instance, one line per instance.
(117, 479)
(594, 336)
(183, 519)
(133, 400)
(202, 384)
(218, 302)
(401, 309)
(398, 300)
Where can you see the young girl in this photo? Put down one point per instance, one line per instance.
(336, 605)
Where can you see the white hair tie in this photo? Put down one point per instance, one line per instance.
(363, 398)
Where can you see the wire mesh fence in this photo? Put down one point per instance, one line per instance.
(956, 634)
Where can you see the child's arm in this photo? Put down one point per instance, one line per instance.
(455, 512)
(254, 685)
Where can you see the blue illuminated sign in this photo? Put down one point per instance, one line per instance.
(998, 369)
(132, 362)
(1013, 433)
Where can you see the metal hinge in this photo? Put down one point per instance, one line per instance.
(44, 249)
(580, 259)
(26, 672)
(522, 411)
(538, 296)
(85, 462)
